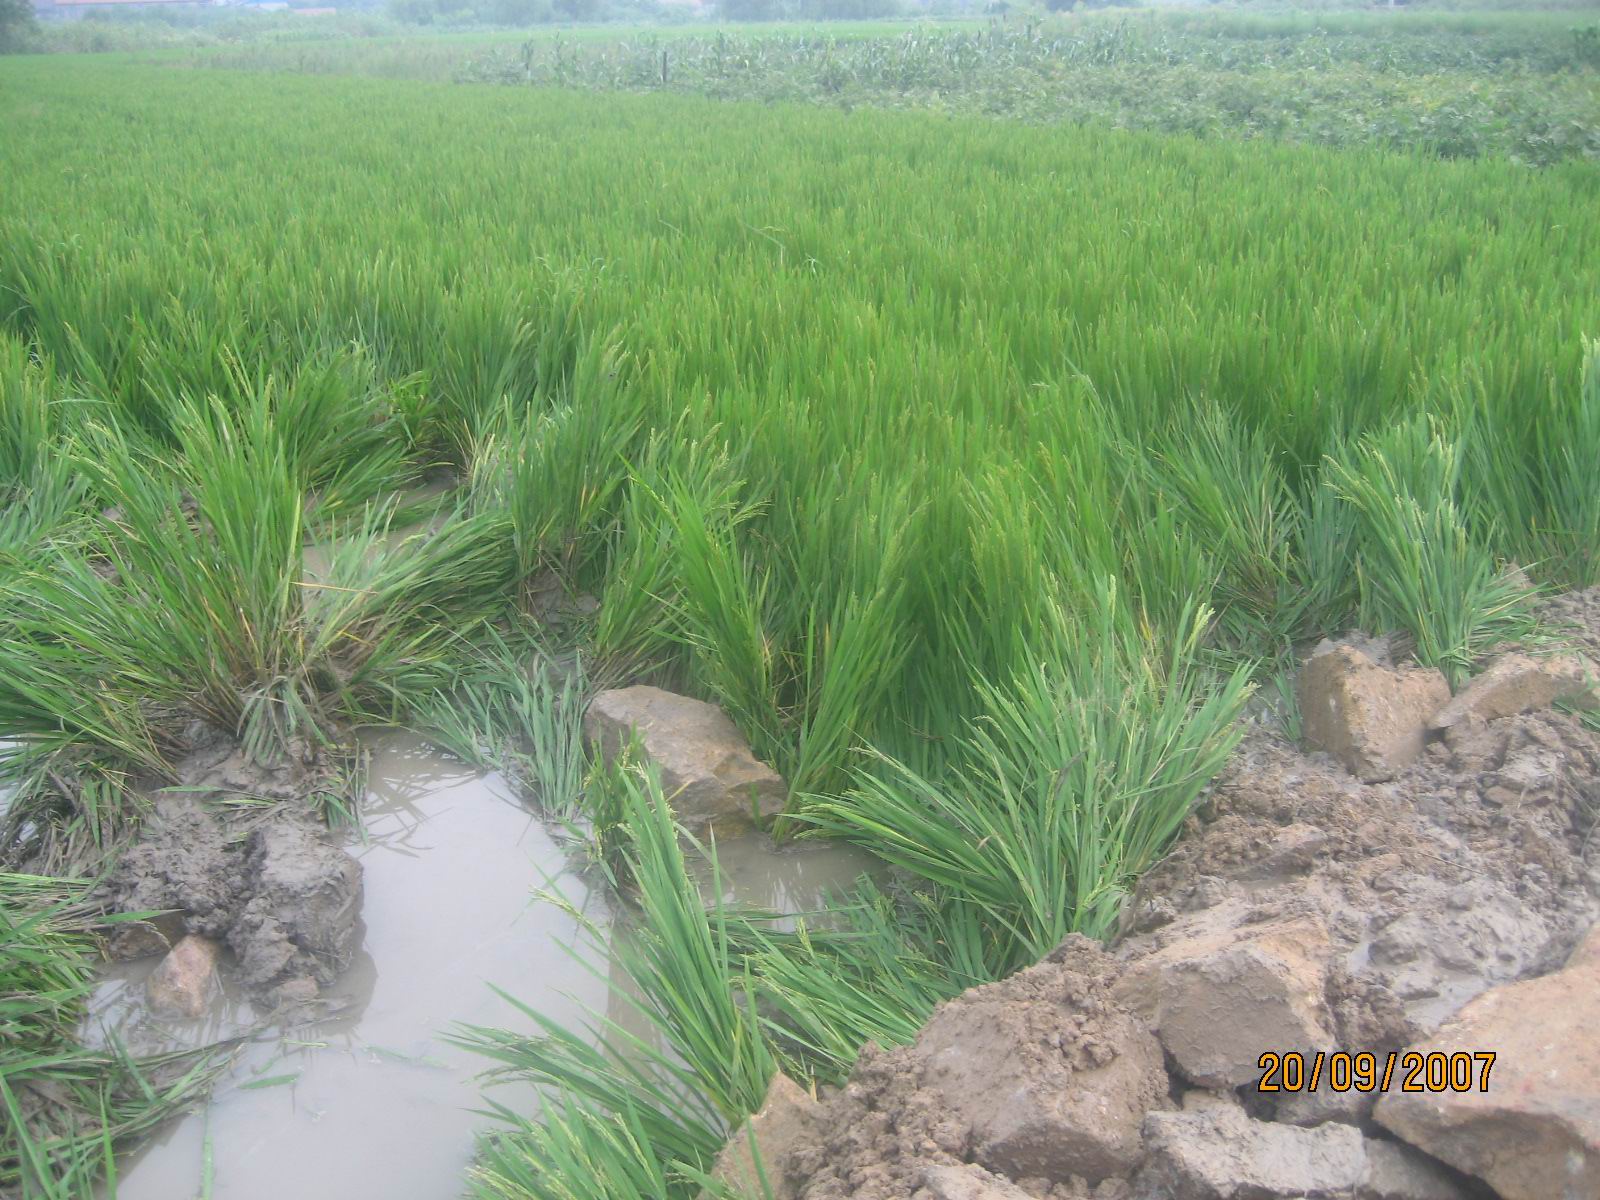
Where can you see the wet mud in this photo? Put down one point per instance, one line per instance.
(1300, 906)
(360, 1093)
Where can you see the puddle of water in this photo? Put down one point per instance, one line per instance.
(798, 877)
(316, 557)
(379, 1104)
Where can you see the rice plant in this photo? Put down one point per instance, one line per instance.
(65, 1110)
(975, 487)
(1075, 778)
(517, 711)
(629, 1111)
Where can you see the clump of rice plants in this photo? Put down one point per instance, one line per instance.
(1421, 569)
(1074, 778)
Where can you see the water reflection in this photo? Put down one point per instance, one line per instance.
(372, 1101)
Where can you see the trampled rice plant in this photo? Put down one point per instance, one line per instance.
(627, 1110)
(65, 1110)
(511, 707)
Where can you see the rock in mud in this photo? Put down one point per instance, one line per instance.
(1219, 994)
(707, 769)
(182, 863)
(966, 1182)
(787, 1120)
(1373, 719)
(183, 983)
(1519, 683)
(300, 918)
(1051, 1075)
(143, 939)
(1534, 1134)
(1222, 1154)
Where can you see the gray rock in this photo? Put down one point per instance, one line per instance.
(1221, 1154)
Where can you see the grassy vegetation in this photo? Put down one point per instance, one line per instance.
(1525, 86)
(975, 469)
(1518, 84)
(64, 1110)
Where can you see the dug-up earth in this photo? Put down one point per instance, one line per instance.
(262, 881)
(1426, 880)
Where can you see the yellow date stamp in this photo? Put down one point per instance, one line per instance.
(1400, 1071)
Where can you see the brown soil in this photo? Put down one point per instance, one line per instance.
(1473, 867)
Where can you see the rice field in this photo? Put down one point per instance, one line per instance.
(983, 472)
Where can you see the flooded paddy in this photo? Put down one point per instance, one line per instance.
(372, 1100)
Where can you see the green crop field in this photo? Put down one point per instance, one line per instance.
(980, 470)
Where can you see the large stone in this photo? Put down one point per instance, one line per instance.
(1222, 1154)
(967, 1182)
(1397, 1172)
(1373, 719)
(1219, 996)
(1052, 1077)
(183, 982)
(787, 1121)
(1534, 1134)
(707, 769)
(1519, 683)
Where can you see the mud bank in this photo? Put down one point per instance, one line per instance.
(1303, 911)
(359, 1093)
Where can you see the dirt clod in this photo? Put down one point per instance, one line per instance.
(1051, 1075)
(1397, 1172)
(1372, 718)
(1222, 990)
(300, 916)
(283, 899)
(967, 1183)
(1534, 1133)
(785, 1121)
(1519, 683)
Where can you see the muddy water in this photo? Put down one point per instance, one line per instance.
(792, 878)
(317, 556)
(373, 1101)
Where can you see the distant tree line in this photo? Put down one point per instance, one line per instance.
(16, 25)
(541, 12)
